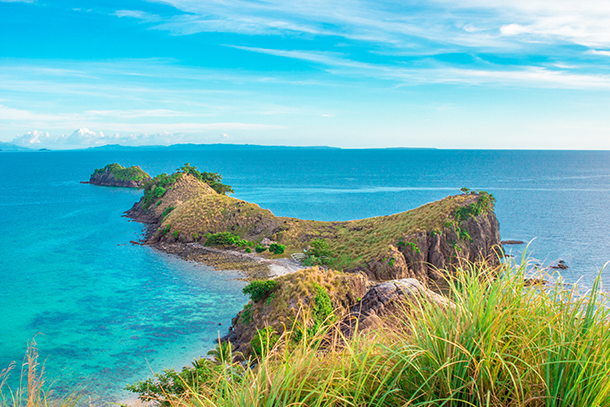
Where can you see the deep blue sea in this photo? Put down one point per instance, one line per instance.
(107, 313)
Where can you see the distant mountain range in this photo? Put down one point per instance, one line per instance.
(12, 147)
(187, 147)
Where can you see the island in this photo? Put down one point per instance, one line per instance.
(189, 213)
(115, 175)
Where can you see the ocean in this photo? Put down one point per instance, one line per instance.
(105, 313)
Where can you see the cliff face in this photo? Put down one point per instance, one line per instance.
(114, 175)
(431, 254)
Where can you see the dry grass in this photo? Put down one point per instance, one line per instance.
(295, 296)
(32, 390)
(353, 242)
(504, 344)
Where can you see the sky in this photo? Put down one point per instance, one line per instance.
(464, 74)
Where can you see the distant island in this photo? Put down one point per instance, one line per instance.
(115, 175)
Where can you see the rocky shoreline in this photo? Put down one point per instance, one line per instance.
(253, 266)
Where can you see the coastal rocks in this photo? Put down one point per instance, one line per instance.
(113, 176)
(561, 265)
(507, 242)
(391, 299)
(430, 255)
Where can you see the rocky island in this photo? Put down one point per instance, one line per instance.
(115, 175)
(189, 213)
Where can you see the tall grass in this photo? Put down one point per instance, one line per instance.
(503, 343)
(32, 390)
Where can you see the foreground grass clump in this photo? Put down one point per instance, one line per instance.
(503, 343)
(32, 390)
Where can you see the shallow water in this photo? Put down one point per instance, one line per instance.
(110, 312)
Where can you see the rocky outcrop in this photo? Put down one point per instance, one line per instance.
(292, 304)
(108, 177)
(431, 254)
(390, 299)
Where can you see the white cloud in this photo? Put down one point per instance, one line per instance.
(506, 24)
(526, 76)
(137, 14)
(597, 52)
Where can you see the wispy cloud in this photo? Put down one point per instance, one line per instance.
(526, 76)
(471, 23)
(137, 14)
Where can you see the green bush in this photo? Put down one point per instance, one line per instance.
(323, 313)
(260, 289)
(485, 202)
(222, 239)
(260, 249)
(195, 236)
(163, 387)
(263, 341)
(248, 250)
(211, 178)
(246, 315)
(176, 234)
(318, 254)
(156, 187)
(167, 211)
(277, 248)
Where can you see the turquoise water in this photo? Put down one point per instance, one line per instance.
(110, 312)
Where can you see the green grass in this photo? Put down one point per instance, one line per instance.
(502, 344)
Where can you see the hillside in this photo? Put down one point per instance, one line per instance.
(414, 243)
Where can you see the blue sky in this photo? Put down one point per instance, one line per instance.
(445, 74)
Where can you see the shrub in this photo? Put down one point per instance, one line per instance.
(163, 387)
(176, 234)
(156, 187)
(167, 211)
(246, 315)
(222, 239)
(485, 202)
(159, 191)
(195, 236)
(260, 249)
(277, 248)
(211, 178)
(319, 253)
(260, 289)
(248, 250)
(323, 313)
(263, 341)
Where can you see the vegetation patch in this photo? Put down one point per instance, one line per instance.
(133, 173)
(260, 289)
(213, 179)
(167, 211)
